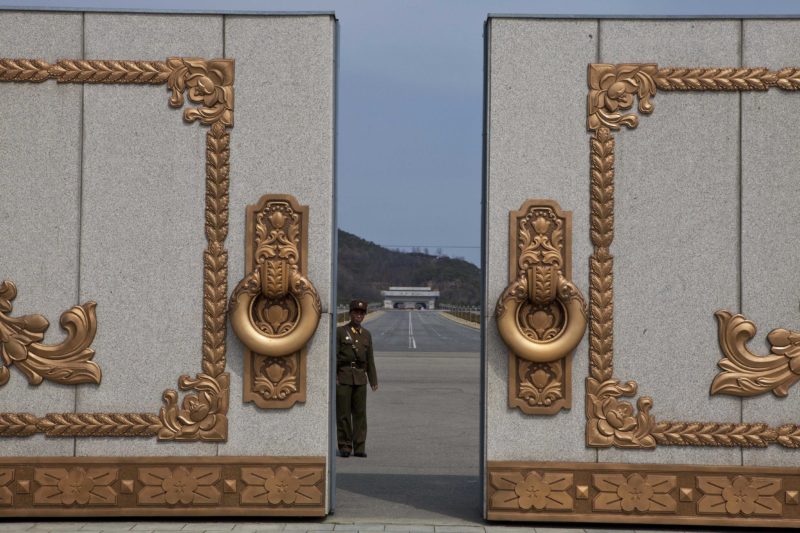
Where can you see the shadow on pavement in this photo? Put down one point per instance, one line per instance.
(401, 497)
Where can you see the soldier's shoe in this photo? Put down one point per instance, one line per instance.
(344, 453)
(360, 454)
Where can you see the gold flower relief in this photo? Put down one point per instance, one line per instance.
(740, 495)
(179, 486)
(540, 492)
(6, 477)
(75, 486)
(614, 422)
(282, 486)
(277, 377)
(540, 384)
(634, 493)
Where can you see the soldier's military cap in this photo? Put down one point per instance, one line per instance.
(358, 305)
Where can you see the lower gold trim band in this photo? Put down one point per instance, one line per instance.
(628, 493)
(162, 486)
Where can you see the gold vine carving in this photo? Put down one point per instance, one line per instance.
(202, 413)
(68, 362)
(612, 420)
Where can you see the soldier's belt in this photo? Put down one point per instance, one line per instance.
(353, 365)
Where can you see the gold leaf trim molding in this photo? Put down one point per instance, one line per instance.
(695, 495)
(610, 420)
(167, 486)
(202, 413)
(68, 362)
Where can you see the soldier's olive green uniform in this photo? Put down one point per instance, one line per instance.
(355, 365)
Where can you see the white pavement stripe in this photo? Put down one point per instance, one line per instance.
(412, 343)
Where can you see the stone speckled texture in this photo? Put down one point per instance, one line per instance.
(40, 207)
(676, 231)
(770, 218)
(537, 148)
(283, 144)
(143, 224)
(284, 92)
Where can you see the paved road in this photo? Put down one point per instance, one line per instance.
(421, 331)
(423, 439)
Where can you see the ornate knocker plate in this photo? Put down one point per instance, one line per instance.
(541, 315)
(275, 309)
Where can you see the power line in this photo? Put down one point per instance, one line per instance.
(425, 246)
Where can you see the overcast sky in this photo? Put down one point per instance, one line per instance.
(411, 100)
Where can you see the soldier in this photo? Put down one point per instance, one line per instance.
(355, 364)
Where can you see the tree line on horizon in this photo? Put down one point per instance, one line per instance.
(366, 268)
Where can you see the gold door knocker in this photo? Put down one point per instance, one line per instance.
(275, 309)
(541, 316)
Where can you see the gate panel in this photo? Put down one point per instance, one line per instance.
(675, 401)
(151, 389)
(532, 154)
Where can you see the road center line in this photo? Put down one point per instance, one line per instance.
(412, 343)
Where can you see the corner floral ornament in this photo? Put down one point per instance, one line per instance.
(209, 83)
(612, 421)
(611, 90)
(68, 362)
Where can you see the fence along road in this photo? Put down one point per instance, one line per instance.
(422, 332)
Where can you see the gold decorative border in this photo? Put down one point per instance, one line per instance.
(697, 495)
(202, 414)
(609, 420)
(166, 486)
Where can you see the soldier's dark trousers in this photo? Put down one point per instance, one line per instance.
(351, 417)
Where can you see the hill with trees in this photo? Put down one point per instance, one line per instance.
(366, 268)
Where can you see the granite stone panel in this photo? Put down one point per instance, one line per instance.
(143, 224)
(40, 182)
(676, 231)
(283, 144)
(537, 147)
(770, 218)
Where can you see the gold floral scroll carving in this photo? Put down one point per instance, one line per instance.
(68, 362)
(202, 412)
(610, 419)
(747, 374)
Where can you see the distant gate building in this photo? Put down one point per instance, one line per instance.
(410, 298)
